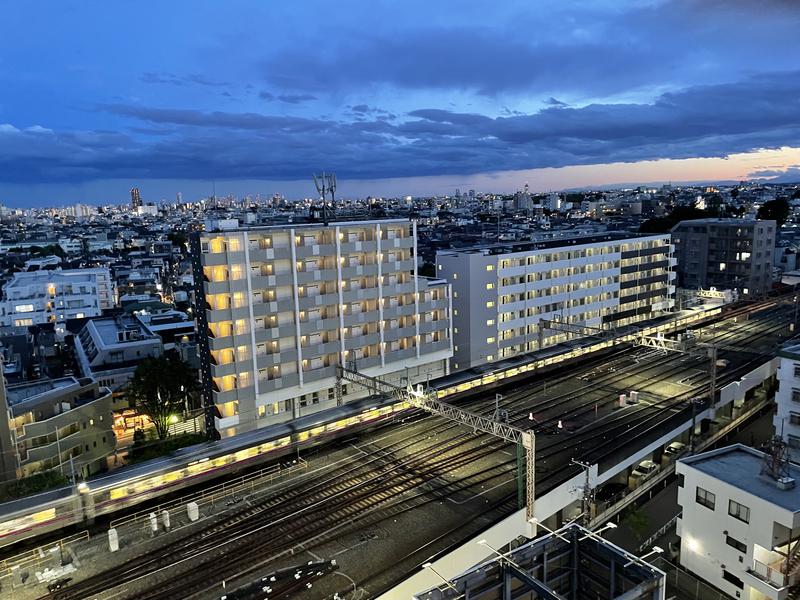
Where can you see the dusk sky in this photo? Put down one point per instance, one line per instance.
(405, 97)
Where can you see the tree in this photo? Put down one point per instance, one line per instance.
(159, 389)
(775, 210)
(666, 223)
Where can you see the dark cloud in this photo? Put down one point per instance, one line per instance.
(287, 98)
(180, 80)
(790, 174)
(702, 121)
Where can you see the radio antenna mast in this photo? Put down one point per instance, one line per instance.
(326, 184)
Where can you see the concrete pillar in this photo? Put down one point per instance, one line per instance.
(193, 511)
(113, 540)
(153, 523)
(165, 519)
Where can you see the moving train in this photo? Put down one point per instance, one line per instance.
(129, 486)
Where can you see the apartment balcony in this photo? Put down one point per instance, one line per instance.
(360, 294)
(361, 341)
(318, 325)
(321, 349)
(258, 254)
(314, 250)
(262, 282)
(305, 277)
(223, 370)
(767, 579)
(307, 302)
(431, 326)
(367, 362)
(276, 358)
(216, 287)
(279, 331)
(220, 343)
(397, 355)
(432, 347)
(319, 373)
(218, 315)
(391, 335)
(360, 318)
(284, 381)
(430, 305)
(369, 246)
(217, 259)
(398, 242)
(403, 266)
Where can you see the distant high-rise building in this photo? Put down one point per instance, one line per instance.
(728, 254)
(136, 198)
(179, 198)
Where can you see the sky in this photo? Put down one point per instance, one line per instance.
(396, 97)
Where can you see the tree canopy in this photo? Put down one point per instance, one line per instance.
(775, 210)
(159, 388)
(667, 222)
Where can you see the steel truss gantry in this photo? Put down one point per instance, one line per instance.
(427, 400)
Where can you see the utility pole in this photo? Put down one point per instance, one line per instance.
(587, 498)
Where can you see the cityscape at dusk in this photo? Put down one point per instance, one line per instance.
(400, 300)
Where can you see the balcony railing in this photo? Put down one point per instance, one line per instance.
(771, 574)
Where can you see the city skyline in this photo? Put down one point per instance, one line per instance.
(592, 94)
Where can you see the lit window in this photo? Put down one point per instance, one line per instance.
(721, 266)
(490, 267)
(490, 358)
(455, 312)
(489, 322)
(490, 340)
(455, 275)
(489, 286)
(23, 308)
(490, 304)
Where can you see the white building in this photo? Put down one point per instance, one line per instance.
(278, 308)
(502, 292)
(740, 526)
(109, 350)
(37, 297)
(787, 398)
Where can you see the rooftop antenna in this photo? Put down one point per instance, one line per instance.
(326, 184)
(776, 460)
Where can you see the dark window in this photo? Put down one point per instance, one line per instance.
(738, 511)
(705, 498)
(680, 479)
(730, 578)
(734, 543)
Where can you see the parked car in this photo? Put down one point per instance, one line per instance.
(645, 469)
(675, 449)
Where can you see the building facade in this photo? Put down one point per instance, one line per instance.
(787, 397)
(739, 524)
(502, 292)
(38, 297)
(64, 424)
(727, 254)
(278, 308)
(109, 350)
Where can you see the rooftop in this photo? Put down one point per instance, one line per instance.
(740, 466)
(550, 242)
(109, 330)
(309, 225)
(25, 391)
(43, 277)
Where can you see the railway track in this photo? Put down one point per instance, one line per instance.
(403, 475)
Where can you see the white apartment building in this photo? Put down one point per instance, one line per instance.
(502, 292)
(787, 398)
(740, 526)
(278, 308)
(37, 297)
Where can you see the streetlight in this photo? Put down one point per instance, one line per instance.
(535, 521)
(597, 533)
(655, 550)
(429, 566)
(496, 551)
